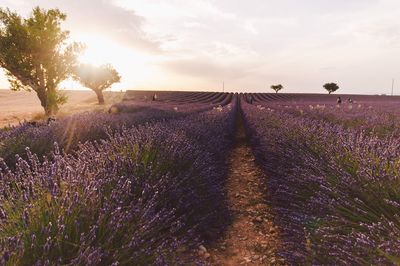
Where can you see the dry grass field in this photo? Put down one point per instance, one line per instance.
(16, 107)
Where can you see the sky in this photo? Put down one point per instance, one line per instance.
(247, 44)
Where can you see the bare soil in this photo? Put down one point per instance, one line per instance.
(252, 238)
(15, 107)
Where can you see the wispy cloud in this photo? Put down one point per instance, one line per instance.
(301, 44)
(201, 67)
(105, 18)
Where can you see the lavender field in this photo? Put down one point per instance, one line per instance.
(148, 183)
(333, 175)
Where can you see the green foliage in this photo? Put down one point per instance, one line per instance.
(331, 87)
(395, 260)
(35, 55)
(277, 88)
(97, 78)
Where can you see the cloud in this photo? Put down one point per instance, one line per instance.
(208, 68)
(327, 68)
(103, 17)
(300, 44)
(386, 30)
(249, 26)
(306, 8)
(192, 25)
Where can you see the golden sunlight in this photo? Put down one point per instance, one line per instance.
(135, 68)
(99, 50)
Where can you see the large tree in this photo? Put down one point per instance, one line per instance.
(276, 88)
(97, 78)
(35, 55)
(331, 87)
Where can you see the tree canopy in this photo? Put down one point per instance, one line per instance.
(35, 54)
(97, 78)
(331, 87)
(277, 88)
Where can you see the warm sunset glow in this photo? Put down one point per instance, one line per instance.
(215, 132)
(196, 45)
(135, 67)
(95, 50)
(100, 50)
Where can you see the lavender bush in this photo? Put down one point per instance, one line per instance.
(143, 196)
(335, 190)
(68, 132)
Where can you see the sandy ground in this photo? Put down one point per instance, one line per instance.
(18, 106)
(253, 238)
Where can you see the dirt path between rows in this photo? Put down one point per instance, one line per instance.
(252, 239)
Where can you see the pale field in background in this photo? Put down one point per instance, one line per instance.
(15, 107)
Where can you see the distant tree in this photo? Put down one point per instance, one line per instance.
(34, 54)
(331, 87)
(277, 88)
(97, 78)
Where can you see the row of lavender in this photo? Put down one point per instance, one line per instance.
(374, 118)
(177, 96)
(335, 189)
(143, 196)
(377, 115)
(68, 132)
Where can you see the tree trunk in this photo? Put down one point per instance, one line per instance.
(52, 101)
(100, 96)
(41, 93)
(51, 110)
(50, 106)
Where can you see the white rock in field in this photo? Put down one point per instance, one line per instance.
(202, 248)
(218, 108)
(246, 259)
(259, 219)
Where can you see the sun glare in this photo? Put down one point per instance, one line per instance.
(98, 50)
(136, 68)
